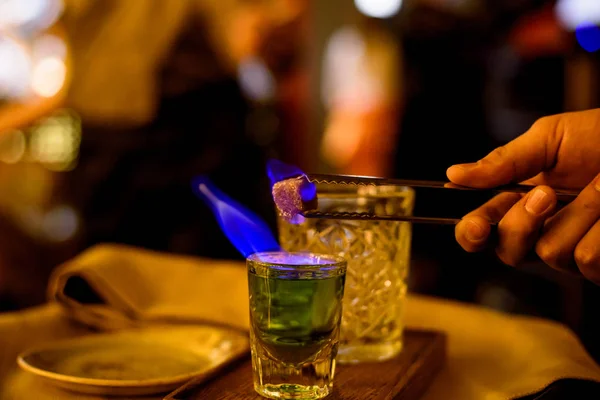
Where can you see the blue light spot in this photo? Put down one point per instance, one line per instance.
(297, 219)
(308, 191)
(247, 232)
(588, 36)
(279, 171)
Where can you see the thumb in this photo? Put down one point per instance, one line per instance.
(518, 160)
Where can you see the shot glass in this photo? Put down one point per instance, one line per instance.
(378, 254)
(295, 314)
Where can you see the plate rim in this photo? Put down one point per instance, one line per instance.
(239, 351)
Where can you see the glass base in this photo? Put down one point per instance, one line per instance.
(372, 352)
(305, 381)
(290, 391)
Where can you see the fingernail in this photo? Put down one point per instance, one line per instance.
(597, 183)
(537, 202)
(475, 232)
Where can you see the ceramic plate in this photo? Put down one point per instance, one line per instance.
(140, 362)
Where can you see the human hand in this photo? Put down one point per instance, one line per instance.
(561, 151)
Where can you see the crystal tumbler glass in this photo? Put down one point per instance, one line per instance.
(378, 255)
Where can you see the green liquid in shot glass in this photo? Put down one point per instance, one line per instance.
(295, 319)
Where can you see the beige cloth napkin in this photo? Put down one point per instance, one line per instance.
(490, 356)
(140, 287)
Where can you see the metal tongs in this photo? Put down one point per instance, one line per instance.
(563, 196)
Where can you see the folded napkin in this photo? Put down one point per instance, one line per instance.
(491, 355)
(111, 287)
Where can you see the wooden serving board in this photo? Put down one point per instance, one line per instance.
(405, 377)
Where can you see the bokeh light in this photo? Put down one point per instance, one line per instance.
(12, 146)
(48, 76)
(32, 63)
(256, 80)
(60, 223)
(14, 13)
(49, 46)
(55, 142)
(29, 16)
(575, 13)
(15, 68)
(344, 62)
(378, 8)
(588, 36)
(583, 17)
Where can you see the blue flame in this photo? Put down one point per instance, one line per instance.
(279, 171)
(244, 229)
(308, 191)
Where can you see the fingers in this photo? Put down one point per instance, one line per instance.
(520, 159)
(521, 219)
(473, 231)
(587, 254)
(568, 236)
(567, 240)
(520, 228)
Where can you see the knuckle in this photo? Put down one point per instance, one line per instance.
(507, 253)
(498, 154)
(589, 198)
(506, 257)
(591, 204)
(587, 259)
(548, 252)
(510, 226)
(553, 124)
(501, 151)
(545, 121)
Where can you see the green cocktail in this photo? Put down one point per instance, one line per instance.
(295, 314)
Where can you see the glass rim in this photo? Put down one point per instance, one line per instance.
(332, 262)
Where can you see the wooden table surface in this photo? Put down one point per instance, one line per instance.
(405, 377)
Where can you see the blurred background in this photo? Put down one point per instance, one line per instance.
(108, 108)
